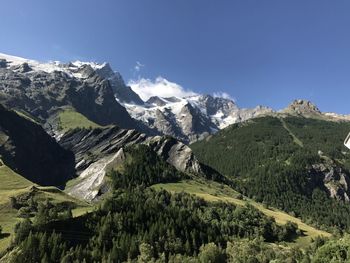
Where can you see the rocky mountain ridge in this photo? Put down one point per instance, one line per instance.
(191, 118)
(307, 109)
(83, 155)
(100, 93)
(40, 89)
(97, 151)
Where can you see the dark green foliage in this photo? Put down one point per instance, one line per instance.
(144, 167)
(41, 247)
(29, 207)
(166, 224)
(211, 253)
(333, 251)
(321, 135)
(48, 212)
(142, 224)
(22, 230)
(268, 164)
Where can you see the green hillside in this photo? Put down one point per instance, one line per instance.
(134, 216)
(156, 214)
(69, 119)
(29, 150)
(215, 192)
(271, 160)
(15, 186)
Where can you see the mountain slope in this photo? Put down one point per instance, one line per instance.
(98, 151)
(41, 89)
(305, 174)
(27, 149)
(215, 192)
(100, 94)
(15, 187)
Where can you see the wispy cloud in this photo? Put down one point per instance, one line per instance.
(224, 95)
(161, 87)
(138, 66)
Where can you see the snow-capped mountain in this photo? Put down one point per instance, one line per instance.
(191, 118)
(57, 84)
(187, 118)
(42, 90)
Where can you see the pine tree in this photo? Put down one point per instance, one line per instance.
(146, 253)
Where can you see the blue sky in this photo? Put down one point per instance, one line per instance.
(258, 51)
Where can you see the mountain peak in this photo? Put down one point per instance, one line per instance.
(155, 100)
(302, 107)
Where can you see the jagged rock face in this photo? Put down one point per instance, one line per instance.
(217, 104)
(26, 87)
(259, 111)
(307, 109)
(166, 122)
(302, 107)
(122, 92)
(27, 149)
(126, 95)
(23, 68)
(335, 180)
(91, 145)
(177, 154)
(97, 151)
(97, 92)
(191, 118)
(195, 124)
(155, 100)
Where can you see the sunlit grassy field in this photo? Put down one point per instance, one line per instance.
(216, 192)
(12, 184)
(71, 119)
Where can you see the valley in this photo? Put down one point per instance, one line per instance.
(91, 171)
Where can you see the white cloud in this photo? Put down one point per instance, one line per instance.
(138, 66)
(223, 95)
(161, 87)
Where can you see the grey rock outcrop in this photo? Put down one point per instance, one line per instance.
(122, 92)
(335, 180)
(155, 100)
(97, 151)
(195, 125)
(304, 108)
(41, 93)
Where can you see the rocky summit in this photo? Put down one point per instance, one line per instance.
(302, 107)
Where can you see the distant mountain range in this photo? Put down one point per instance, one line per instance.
(100, 94)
